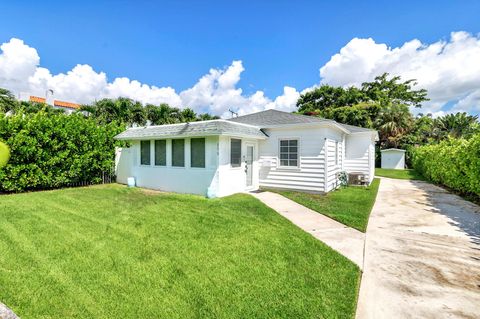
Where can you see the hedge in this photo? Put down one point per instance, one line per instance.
(454, 163)
(55, 150)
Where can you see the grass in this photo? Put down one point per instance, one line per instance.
(116, 252)
(350, 206)
(410, 174)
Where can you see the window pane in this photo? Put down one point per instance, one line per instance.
(288, 152)
(161, 152)
(145, 152)
(197, 154)
(235, 152)
(178, 153)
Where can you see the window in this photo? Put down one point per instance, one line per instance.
(235, 152)
(145, 152)
(289, 153)
(197, 152)
(160, 152)
(178, 153)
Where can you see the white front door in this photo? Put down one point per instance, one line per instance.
(249, 166)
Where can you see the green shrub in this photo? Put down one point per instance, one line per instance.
(454, 163)
(55, 150)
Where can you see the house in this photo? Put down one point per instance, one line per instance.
(221, 157)
(67, 107)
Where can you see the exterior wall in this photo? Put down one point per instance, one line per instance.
(233, 179)
(311, 172)
(186, 179)
(334, 163)
(360, 154)
(393, 159)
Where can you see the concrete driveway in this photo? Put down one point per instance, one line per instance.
(422, 254)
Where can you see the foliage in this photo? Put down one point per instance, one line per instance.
(115, 252)
(392, 123)
(7, 101)
(454, 162)
(382, 90)
(132, 112)
(343, 178)
(409, 174)
(350, 205)
(54, 150)
(4, 154)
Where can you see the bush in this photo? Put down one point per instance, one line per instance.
(454, 163)
(55, 150)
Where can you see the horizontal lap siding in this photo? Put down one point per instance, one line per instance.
(309, 177)
(333, 168)
(360, 156)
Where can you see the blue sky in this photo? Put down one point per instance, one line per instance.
(173, 43)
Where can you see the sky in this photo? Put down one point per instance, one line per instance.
(247, 56)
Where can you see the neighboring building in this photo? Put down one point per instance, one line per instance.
(393, 158)
(269, 148)
(68, 107)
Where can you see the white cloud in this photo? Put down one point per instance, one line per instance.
(215, 92)
(449, 70)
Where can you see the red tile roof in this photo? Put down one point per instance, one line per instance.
(66, 104)
(37, 99)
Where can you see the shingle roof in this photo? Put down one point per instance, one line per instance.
(269, 118)
(205, 128)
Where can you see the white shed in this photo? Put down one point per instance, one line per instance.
(393, 158)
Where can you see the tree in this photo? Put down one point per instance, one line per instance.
(188, 115)
(360, 106)
(7, 101)
(393, 122)
(457, 125)
(392, 91)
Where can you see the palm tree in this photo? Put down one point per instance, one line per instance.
(456, 125)
(393, 122)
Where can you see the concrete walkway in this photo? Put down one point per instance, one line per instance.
(347, 241)
(422, 254)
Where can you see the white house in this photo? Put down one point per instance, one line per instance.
(393, 158)
(221, 157)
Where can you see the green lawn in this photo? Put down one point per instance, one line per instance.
(399, 173)
(350, 206)
(116, 252)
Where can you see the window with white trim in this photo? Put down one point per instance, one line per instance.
(235, 152)
(178, 153)
(289, 153)
(145, 152)
(197, 152)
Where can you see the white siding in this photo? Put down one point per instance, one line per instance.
(360, 155)
(233, 179)
(186, 179)
(333, 166)
(310, 174)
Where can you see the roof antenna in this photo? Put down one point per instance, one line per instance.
(233, 113)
